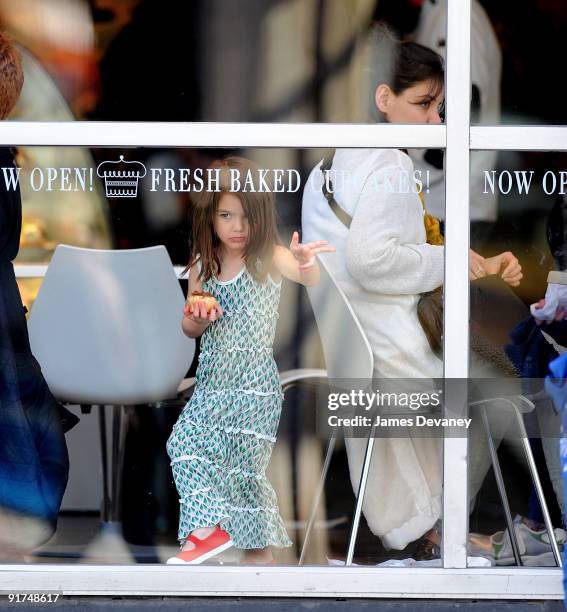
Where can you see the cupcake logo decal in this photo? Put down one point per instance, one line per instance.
(121, 177)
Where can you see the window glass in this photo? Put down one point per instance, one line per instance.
(516, 332)
(214, 60)
(99, 326)
(513, 53)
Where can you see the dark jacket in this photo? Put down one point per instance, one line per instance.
(34, 462)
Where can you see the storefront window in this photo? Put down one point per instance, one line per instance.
(139, 198)
(304, 64)
(513, 340)
(511, 52)
(198, 61)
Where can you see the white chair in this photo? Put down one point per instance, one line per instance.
(519, 405)
(348, 357)
(105, 327)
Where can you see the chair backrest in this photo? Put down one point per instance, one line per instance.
(348, 355)
(106, 326)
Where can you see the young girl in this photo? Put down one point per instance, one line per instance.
(221, 444)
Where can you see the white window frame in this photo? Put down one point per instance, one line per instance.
(452, 581)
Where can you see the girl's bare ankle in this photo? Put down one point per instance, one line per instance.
(203, 532)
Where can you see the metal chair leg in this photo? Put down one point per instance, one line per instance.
(360, 496)
(537, 484)
(112, 475)
(115, 469)
(318, 493)
(501, 487)
(105, 505)
(120, 426)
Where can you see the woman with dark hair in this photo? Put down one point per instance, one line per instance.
(388, 253)
(33, 454)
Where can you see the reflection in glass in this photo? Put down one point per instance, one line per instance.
(485, 99)
(252, 60)
(527, 41)
(514, 336)
(148, 507)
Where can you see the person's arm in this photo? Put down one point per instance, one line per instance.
(477, 265)
(298, 263)
(505, 265)
(378, 255)
(196, 320)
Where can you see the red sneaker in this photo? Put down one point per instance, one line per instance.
(206, 548)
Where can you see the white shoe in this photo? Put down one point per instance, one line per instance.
(533, 545)
(536, 540)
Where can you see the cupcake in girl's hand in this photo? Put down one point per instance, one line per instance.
(205, 297)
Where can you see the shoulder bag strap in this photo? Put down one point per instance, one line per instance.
(327, 190)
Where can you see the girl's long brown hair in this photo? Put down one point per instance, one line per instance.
(258, 206)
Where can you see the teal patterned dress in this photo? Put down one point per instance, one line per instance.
(221, 444)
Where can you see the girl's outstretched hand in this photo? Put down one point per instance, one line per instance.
(305, 253)
(199, 314)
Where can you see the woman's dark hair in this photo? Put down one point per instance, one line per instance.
(399, 65)
(414, 64)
